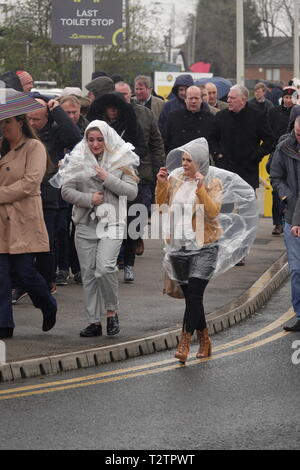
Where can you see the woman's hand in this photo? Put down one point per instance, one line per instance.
(97, 198)
(162, 175)
(199, 178)
(101, 173)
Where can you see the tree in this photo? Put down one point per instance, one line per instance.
(216, 33)
(26, 44)
(276, 17)
(138, 45)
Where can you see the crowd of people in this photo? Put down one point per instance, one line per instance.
(51, 233)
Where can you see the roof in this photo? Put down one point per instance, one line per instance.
(279, 53)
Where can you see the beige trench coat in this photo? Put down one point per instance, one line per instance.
(22, 226)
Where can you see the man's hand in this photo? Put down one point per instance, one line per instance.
(162, 175)
(52, 104)
(97, 198)
(295, 230)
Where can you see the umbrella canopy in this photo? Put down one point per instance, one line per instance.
(223, 85)
(14, 103)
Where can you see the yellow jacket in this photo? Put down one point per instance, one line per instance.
(211, 198)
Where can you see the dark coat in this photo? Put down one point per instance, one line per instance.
(183, 126)
(264, 106)
(294, 113)
(59, 136)
(11, 80)
(285, 176)
(82, 124)
(175, 103)
(155, 157)
(279, 118)
(275, 95)
(126, 125)
(243, 139)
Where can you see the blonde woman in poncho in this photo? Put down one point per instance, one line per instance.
(192, 242)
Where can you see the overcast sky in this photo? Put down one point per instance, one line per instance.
(182, 9)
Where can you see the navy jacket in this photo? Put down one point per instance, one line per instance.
(175, 103)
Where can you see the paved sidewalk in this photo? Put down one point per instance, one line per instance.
(144, 310)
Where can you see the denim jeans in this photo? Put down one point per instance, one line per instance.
(293, 253)
(33, 282)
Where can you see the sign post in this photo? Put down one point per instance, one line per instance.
(87, 63)
(87, 23)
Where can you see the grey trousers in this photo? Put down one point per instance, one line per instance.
(98, 264)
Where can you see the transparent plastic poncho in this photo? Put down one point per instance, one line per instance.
(233, 229)
(79, 164)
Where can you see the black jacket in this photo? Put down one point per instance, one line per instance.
(155, 157)
(264, 106)
(243, 139)
(285, 176)
(59, 136)
(183, 126)
(11, 80)
(126, 125)
(175, 103)
(279, 118)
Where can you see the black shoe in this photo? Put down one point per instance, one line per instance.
(91, 330)
(6, 332)
(295, 327)
(17, 294)
(139, 247)
(77, 278)
(241, 262)
(49, 321)
(62, 278)
(112, 326)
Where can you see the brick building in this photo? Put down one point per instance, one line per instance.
(273, 63)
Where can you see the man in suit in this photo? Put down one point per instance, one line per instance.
(143, 95)
(212, 97)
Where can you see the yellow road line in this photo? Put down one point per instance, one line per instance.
(282, 319)
(275, 324)
(146, 372)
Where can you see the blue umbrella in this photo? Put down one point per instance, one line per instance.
(223, 85)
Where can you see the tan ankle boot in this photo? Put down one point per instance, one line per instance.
(204, 344)
(183, 347)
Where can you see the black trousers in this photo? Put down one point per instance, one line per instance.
(194, 316)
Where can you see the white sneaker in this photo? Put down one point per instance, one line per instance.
(128, 274)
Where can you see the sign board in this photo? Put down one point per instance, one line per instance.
(78, 22)
(164, 81)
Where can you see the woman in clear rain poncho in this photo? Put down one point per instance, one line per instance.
(211, 224)
(95, 176)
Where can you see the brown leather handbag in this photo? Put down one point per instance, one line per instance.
(172, 288)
